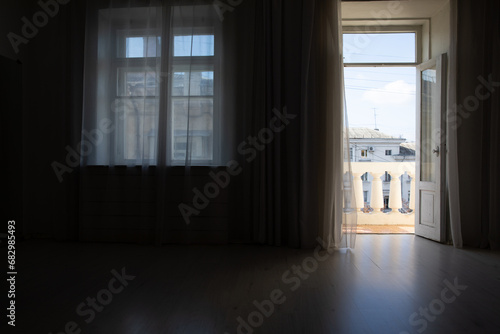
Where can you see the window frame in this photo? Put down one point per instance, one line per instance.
(371, 28)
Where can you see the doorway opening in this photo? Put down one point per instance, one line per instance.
(380, 83)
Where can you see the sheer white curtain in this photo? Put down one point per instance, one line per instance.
(152, 110)
(338, 222)
(122, 84)
(151, 75)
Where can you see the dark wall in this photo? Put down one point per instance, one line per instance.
(12, 140)
(50, 98)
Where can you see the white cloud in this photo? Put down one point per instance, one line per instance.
(395, 93)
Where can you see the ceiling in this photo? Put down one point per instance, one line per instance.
(401, 9)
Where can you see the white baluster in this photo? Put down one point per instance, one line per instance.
(377, 200)
(358, 191)
(395, 201)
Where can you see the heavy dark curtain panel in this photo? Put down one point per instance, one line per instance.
(290, 65)
(477, 32)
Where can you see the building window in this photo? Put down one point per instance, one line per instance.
(388, 152)
(364, 153)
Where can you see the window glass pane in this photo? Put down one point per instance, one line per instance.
(202, 82)
(198, 113)
(380, 48)
(196, 46)
(135, 47)
(136, 131)
(142, 46)
(427, 125)
(137, 82)
(383, 98)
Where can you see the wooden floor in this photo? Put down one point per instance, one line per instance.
(385, 229)
(376, 288)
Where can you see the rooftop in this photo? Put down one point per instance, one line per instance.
(367, 133)
(407, 149)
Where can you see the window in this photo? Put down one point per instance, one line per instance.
(160, 87)
(364, 153)
(192, 95)
(380, 75)
(136, 95)
(387, 177)
(365, 48)
(388, 152)
(365, 196)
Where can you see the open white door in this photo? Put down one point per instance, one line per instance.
(431, 150)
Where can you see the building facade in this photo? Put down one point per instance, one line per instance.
(369, 145)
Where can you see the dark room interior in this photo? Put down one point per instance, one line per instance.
(183, 166)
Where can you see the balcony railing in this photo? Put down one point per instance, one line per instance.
(397, 211)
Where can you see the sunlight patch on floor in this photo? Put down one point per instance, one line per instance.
(385, 229)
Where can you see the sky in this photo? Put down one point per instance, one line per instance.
(384, 94)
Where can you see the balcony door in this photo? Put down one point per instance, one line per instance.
(431, 150)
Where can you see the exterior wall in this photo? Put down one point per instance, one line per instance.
(378, 156)
(380, 146)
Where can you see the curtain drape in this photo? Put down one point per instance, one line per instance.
(205, 119)
(293, 189)
(475, 103)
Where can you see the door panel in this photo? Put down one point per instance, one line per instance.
(431, 150)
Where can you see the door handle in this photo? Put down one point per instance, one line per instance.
(436, 151)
